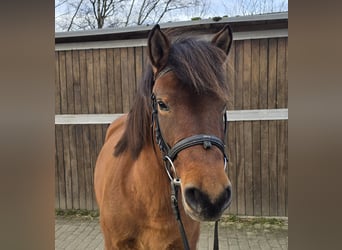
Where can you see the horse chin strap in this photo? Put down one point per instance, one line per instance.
(170, 154)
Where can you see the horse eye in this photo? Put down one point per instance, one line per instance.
(163, 106)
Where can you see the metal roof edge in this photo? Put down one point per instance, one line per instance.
(141, 31)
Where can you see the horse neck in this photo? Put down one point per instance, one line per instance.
(153, 180)
(152, 166)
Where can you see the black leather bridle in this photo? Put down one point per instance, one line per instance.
(170, 154)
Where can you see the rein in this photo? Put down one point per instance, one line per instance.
(170, 154)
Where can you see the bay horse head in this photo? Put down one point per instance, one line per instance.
(189, 98)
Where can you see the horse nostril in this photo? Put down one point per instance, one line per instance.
(193, 197)
(228, 196)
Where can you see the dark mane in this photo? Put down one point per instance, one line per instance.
(138, 130)
(197, 64)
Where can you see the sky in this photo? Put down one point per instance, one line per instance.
(215, 8)
(230, 8)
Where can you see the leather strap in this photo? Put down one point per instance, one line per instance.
(174, 201)
(206, 140)
(216, 241)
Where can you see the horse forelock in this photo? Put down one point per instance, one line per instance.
(198, 65)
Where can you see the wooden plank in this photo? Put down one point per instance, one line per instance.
(57, 86)
(67, 166)
(258, 115)
(73, 166)
(56, 184)
(247, 74)
(57, 199)
(88, 170)
(265, 179)
(281, 127)
(282, 166)
(63, 84)
(281, 74)
(238, 86)
(138, 67)
(86, 118)
(145, 58)
(83, 82)
(272, 130)
(90, 81)
(231, 138)
(113, 44)
(97, 82)
(240, 169)
(80, 166)
(256, 141)
(232, 166)
(76, 81)
(272, 162)
(248, 155)
(93, 158)
(239, 159)
(272, 74)
(117, 81)
(265, 182)
(110, 81)
(60, 166)
(286, 131)
(255, 74)
(131, 75)
(124, 80)
(247, 127)
(103, 81)
(233, 115)
(263, 74)
(99, 135)
(230, 77)
(255, 87)
(69, 82)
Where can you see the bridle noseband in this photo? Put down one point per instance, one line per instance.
(170, 154)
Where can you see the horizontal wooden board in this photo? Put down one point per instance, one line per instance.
(234, 115)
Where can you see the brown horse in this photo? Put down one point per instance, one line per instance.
(132, 184)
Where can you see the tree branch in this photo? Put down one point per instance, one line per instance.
(73, 17)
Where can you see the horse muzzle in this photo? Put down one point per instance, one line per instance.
(201, 207)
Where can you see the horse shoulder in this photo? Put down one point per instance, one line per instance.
(116, 125)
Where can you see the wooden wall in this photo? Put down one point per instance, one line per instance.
(257, 76)
(103, 81)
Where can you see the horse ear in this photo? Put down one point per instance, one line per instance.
(158, 48)
(223, 39)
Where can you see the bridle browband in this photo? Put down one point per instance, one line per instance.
(170, 154)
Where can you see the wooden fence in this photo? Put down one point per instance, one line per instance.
(99, 77)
